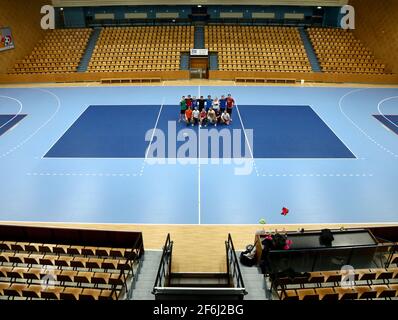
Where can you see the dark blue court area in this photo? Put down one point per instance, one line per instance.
(8, 121)
(390, 121)
(107, 132)
(124, 132)
(291, 132)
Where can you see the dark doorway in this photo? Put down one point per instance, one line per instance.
(199, 67)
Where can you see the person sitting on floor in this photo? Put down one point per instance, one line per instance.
(188, 116)
(226, 118)
(203, 118)
(195, 116)
(211, 117)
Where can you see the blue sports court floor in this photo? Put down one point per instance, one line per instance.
(87, 155)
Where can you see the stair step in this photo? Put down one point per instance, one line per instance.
(206, 275)
(199, 37)
(310, 51)
(84, 62)
(199, 280)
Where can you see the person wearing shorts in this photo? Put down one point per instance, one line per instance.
(225, 118)
(188, 116)
(223, 104)
(189, 101)
(183, 108)
(230, 105)
(211, 117)
(194, 103)
(201, 103)
(203, 118)
(218, 115)
(195, 116)
(216, 104)
(209, 103)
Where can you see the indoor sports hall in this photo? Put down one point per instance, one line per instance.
(100, 157)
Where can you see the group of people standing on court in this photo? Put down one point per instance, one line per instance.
(203, 111)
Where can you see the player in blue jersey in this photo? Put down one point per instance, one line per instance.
(223, 104)
(209, 102)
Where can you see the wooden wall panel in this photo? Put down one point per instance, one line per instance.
(90, 77)
(377, 26)
(309, 77)
(23, 17)
(213, 75)
(197, 248)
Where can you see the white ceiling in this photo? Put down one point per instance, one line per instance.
(93, 3)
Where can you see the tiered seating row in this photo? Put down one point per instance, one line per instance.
(368, 284)
(141, 49)
(60, 52)
(339, 51)
(34, 270)
(259, 48)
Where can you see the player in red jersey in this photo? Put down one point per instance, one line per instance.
(230, 105)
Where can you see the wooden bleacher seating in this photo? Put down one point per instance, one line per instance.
(72, 271)
(59, 52)
(339, 51)
(325, 285)
(257, 48)
(132, 49)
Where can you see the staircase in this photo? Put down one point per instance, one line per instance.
(184, 61)
(142, 289)
(199, 286)
(199, 280)
(310, 50)
(89, 50)
(255, 284)
(199, 37)
(213, 61)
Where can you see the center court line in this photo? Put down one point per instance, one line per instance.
(199, 179)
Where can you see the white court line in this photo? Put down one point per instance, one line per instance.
(379, 105)
(269, 226)
(199, 173)
(270, 175)
(151, 140)
(358, 127)
(80, 174)
(323, 120)
(16, 115)
(318, 175)
(38, 129)
(247, 140)
(65, 131)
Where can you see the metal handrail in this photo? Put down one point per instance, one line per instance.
(233, 262)
(166, 259)
(138, 245)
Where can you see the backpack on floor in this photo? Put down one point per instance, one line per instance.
(248, 257)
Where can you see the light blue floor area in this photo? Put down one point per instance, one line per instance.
(126, 190)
